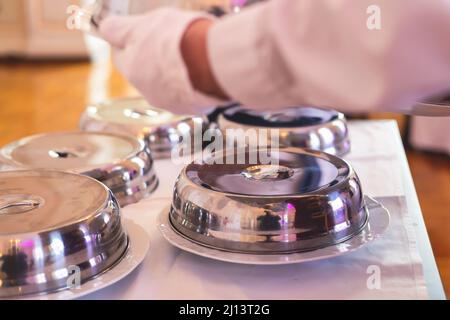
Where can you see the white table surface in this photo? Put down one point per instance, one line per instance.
(411, 273)
(384, 135)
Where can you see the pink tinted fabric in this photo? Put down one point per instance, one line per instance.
(146, 50)
(321, 52)
(293, 52)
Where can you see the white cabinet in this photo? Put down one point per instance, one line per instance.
(37, 28)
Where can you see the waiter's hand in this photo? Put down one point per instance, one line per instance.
(163, 54)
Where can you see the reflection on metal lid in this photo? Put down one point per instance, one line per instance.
(70, 150)
(161, 130)
(304, 127)
(294, 173)
(283, 118)
(123, 163)
(58, 199)
(132, 111)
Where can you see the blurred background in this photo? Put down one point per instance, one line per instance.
(48, 73)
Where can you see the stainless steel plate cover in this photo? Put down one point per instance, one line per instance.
(122, 163)
(54, 226)
(161, 130)
(304, 127)
(307, 201)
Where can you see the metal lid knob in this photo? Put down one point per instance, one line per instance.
(268, 172)
(19, 203)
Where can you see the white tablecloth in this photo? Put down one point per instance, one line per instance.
(169, 273)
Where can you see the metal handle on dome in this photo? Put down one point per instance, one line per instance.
(16, 204)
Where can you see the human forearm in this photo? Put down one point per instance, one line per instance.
(195, 54)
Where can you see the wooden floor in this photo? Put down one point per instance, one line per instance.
(44, 97)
